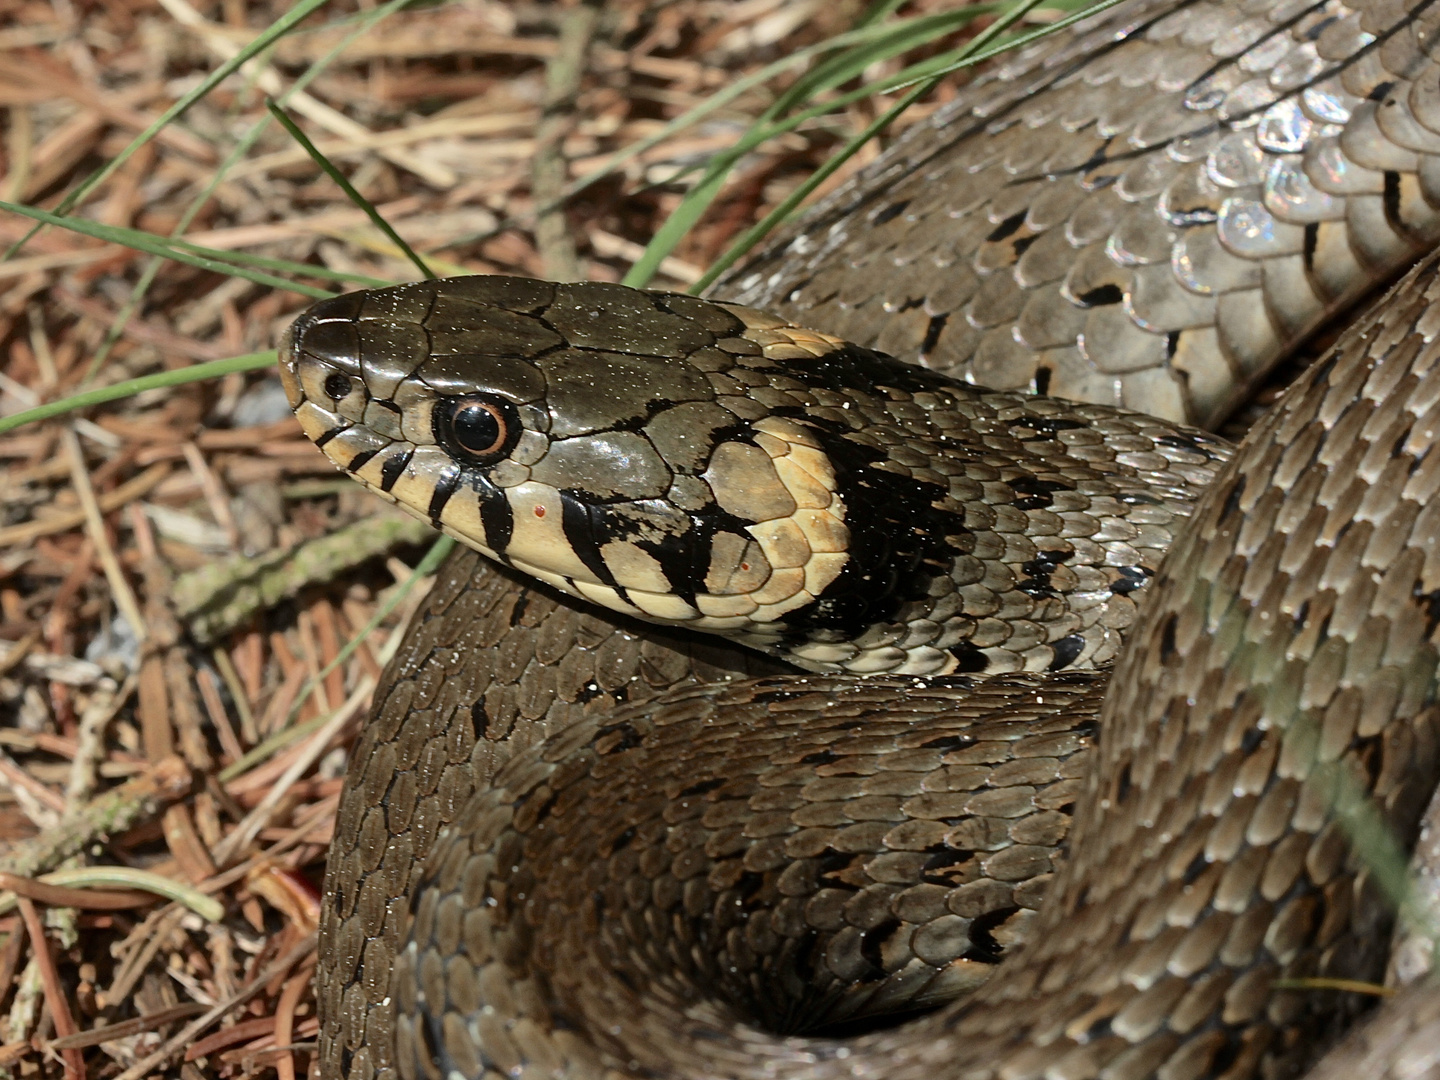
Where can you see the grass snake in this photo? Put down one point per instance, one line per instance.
(580, 839)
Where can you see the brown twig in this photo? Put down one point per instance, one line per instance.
(126, 1028)
(120, 589)
(64, 896)
(54, 994)
(253, 987)
(28, 533)
(10, 958)
(158, 926)
(244, 1031)
(285, 1021)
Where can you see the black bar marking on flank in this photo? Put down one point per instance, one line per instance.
(495, 515)
(394, 466)
(579, 529)
(445, 486)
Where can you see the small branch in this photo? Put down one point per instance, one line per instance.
(223, 595)
(125, 1028)
(65, 896)
(119, 809)
(285, 1021)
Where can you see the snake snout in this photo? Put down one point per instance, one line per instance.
(326, 331)
(320, 358)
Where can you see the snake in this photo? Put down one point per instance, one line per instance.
(875, 669)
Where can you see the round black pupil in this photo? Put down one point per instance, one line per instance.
(476, 429)
(337, 385)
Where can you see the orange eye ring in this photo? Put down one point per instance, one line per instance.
(477, 429)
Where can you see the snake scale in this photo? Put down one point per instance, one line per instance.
(580, 839)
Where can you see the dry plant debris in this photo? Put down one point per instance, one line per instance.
(138, 728)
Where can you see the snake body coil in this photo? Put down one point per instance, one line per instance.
(664, 856)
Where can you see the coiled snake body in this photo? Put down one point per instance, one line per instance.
(665, 854)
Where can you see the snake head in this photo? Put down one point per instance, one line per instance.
(623, 446)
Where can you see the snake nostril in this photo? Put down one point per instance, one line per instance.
(337, 386)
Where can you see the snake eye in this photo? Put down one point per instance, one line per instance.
(478, 429)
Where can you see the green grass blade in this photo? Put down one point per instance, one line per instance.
(877, 11)
(289, 734)
(140, 240)
(273, 33)
(751, 236)
(1016, 41)
(349, 189)
(237, 153)
(755, 233)
(100, 395)
(699, 198)
(759, 132)
(721, 98)
(240, 260)
(985, 45)
(852, 64)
